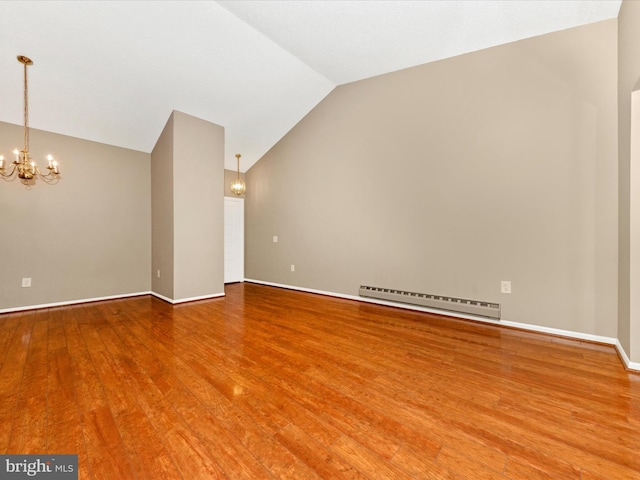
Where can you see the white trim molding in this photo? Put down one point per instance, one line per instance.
(629, 365)
(634, 366)
(72, 302)
(110, 297)
(185, 300)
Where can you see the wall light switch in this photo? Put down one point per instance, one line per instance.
(293, 268)
(505, 286)
(158, 273)
(275, 239)
(26, 282)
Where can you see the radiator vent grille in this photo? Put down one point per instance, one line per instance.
(441, 302)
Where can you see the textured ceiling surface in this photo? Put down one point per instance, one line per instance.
(113, 71)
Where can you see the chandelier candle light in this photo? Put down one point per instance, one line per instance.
(238, 186)
(23, 166)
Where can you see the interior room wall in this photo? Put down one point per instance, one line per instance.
(87, 237)
(450, 177)
(628, 82)
(188, 209)
(162, 244)
(198, 203)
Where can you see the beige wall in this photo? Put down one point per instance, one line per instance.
(628, 78)
(198, 190)
(452, 176)
(89, 236)
(162, 213)
(188, 209)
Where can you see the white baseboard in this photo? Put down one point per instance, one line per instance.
(185, 300)
(72, 302)
(521, 326)
(110, 297)
(635, 366)
(162, 297)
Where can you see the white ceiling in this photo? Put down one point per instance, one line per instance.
(112, 71)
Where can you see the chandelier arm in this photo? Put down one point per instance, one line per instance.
(44, 177)
(50, 179)
(10, 174)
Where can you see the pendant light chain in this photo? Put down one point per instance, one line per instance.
(26, 110)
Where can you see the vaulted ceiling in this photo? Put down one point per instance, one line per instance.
(112, 71)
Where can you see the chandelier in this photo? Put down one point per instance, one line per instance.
(238, 186)
(25, 168)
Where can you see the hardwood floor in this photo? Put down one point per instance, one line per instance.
(269, 383)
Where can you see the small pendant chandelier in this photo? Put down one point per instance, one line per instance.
(25, 168)
(238, 186)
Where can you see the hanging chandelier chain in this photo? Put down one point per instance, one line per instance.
(26, 109)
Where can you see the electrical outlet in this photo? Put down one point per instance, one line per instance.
(275, 239)
(505, 286)
(293, 268)
(26, 282)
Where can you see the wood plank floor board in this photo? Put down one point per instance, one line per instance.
(466, 466)
(190, 454)
(85, 380)
(56, 337)
(27, 439)
(102, 438)
(517, 469)
(8, 326)
(16, 355)
(66, 438)
(60, 372)
(144, 448)
(8, 404)
(267, 383)
(319, 458)
(30, 416)
(414, 463)
(363, 459)
(347, 415)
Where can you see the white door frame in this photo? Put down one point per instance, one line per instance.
(236, 202)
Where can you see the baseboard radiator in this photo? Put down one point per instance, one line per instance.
(460, 305)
